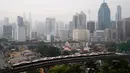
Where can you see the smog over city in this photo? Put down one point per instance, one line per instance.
(64, 36)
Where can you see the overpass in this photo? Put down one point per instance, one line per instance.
(55, 61)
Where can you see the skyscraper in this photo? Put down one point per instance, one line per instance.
(20, 21)
(82, 20)
(126, 28)
(104, 20)
(21, 29)
(75, 21)
(91, 26)
(50, 23)
(79, 20)
(119, 13)
(7, 32)
(6, 21)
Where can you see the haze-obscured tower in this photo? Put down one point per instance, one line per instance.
(119, 13)
(50, 23)
(21, 29)
(30, 22)
(82, 20)
(104, 20)
(75, 21)
(79, 20)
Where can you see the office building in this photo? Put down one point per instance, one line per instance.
(60, 25)
(82, 20)
(21, 29)
(15, 30)
(126, 28)
(119, 13)
(63, 34)
(40, 28)
(8, 32)
(107, 34)
(120, 27)
(6, 21)
(70, 29)
(113, 23)
(1, 28)
(76, 21)
(81, 35)
(27, 30)
(91, 26)
(104, 19)
(50, 23)
(22, 33)
(79, 20)
(99, 33)
(110, 34)
(20, 21)
(34, 35)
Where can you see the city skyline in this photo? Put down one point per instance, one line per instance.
(41, 9)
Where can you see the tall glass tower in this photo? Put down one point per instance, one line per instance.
(104, 19)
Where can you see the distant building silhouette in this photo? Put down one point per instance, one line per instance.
(20, 21)
(79, 20)
(50, 23)
(119, 13)
(91, 26)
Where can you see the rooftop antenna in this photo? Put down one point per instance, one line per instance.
(89, 12)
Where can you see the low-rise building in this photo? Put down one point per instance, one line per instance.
(81, 35)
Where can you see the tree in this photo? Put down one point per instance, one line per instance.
(48, 50)
(123, 47)
(59, 69)
(74, 68)
(66, 52)
(115, 66)
(33, 71)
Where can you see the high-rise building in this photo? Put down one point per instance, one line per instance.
(104, 19)
(30, 20)
(70, 29)
(20, 21)
(50, 23)
(34, 35)
(120, 27)
(110, 34)
(63, 34)
(91, 26)
(119, 13)
(79, 20)
(126, 28)
(76, 21)
(82, 20)
(40, 28)
(81, 35)
(113, 23)
(8, 32)
(15, 30)
(123, 29)
(21, 29)
(6, 21)
(27, 30)
(1, 28)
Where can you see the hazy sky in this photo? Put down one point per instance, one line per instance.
(60, 9)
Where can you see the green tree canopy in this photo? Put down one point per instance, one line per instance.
(48, 50)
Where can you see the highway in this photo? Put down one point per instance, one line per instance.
(47, 63)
